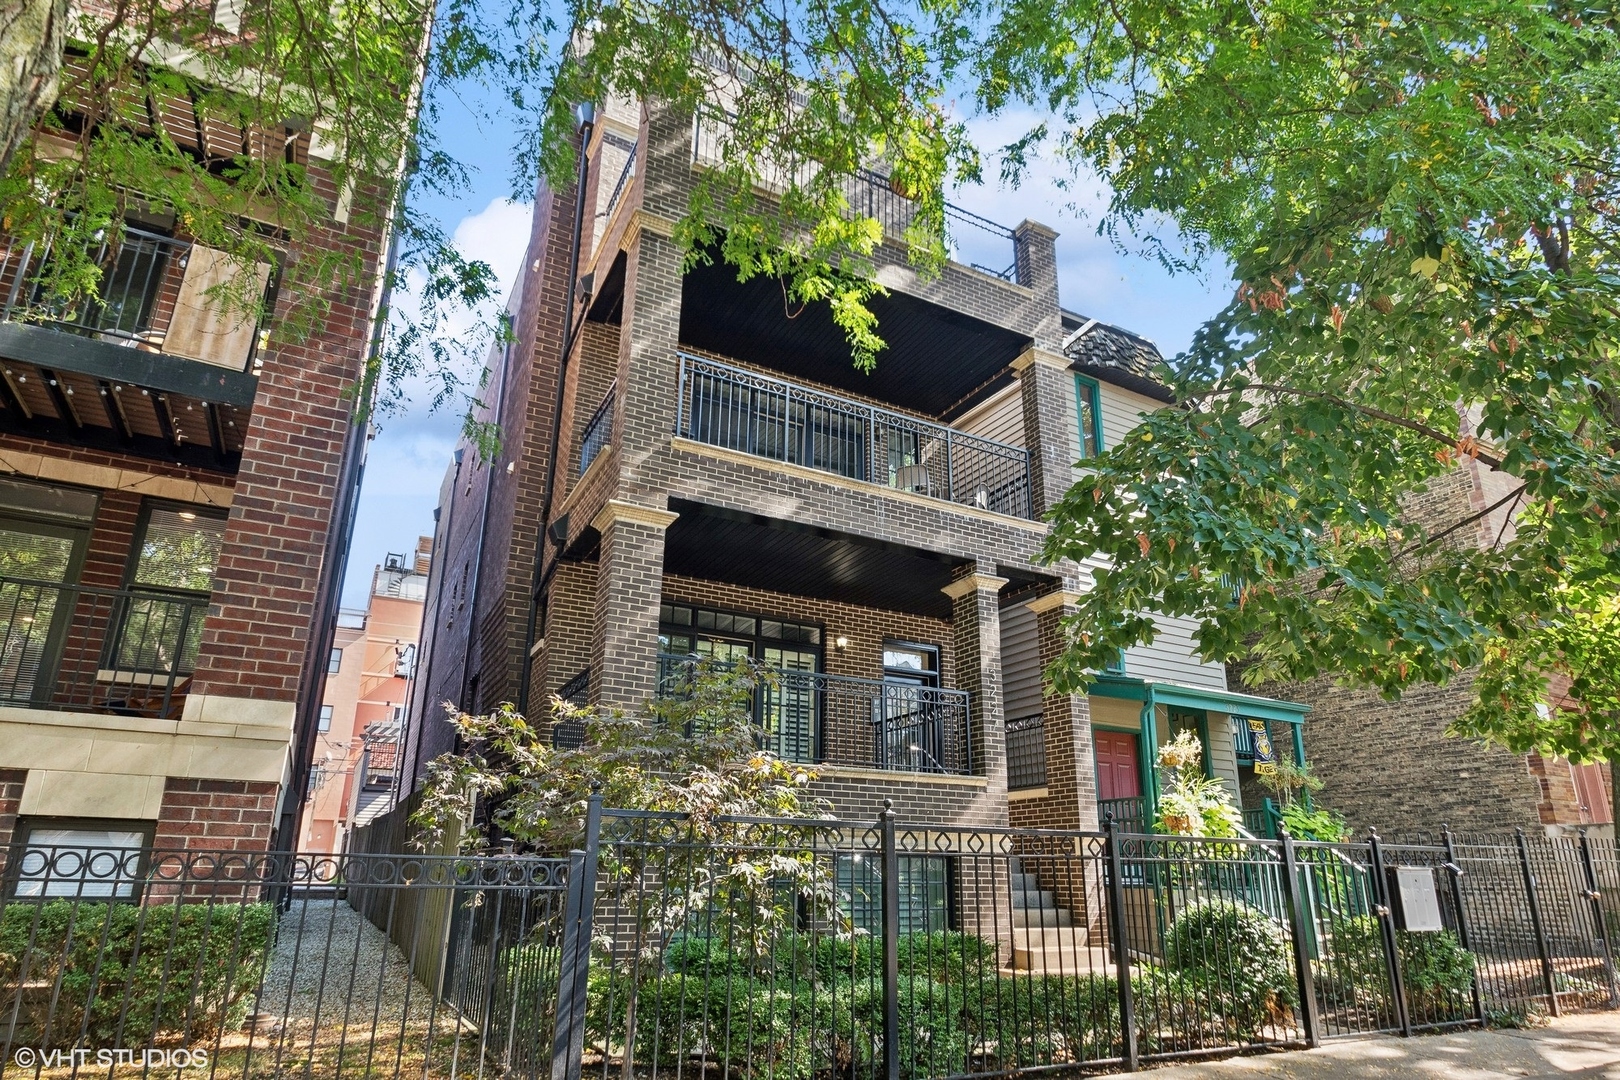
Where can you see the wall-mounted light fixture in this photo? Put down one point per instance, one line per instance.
(841, 642)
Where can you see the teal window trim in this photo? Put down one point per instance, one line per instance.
(1088, 391)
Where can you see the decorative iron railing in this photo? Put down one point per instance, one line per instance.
(129, 652)
(625, 176)
(1026, 753)
(862, 723)
(743, 410)
(135, 302)
(598, 432)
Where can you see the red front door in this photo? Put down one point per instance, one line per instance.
(1118, 776)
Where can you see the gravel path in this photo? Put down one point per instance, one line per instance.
(328, 958)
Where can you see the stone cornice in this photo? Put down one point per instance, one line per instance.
(973, 583)
(642, 220)
(1061, 598)
(618, 510)
(1033, 356)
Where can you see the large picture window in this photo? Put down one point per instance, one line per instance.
(924, 887)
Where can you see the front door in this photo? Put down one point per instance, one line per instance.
(1118, 773)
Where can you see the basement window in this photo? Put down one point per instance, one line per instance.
(80, 858)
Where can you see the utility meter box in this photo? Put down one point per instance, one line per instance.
(1415, 898)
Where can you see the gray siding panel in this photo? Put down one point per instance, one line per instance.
(1001, 418)
(1021, 684)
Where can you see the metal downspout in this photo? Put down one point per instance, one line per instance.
(1150, 753)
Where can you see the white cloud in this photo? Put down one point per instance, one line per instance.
(408, 457)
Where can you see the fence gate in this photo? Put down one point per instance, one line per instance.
(364, 965)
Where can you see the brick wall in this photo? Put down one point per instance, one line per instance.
(216, 815)
(11, 789)
(270, 564)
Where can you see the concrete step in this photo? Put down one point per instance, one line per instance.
(1067, 960)
(1023, 882)
(1041, 916)
(1033, 898)
(1041, 937)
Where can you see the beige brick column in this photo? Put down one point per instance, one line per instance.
(629, 585)
(976, 658)
(1051, 424)
(1071, 767)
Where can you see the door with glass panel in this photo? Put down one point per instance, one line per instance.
(171, 576)
(38, 563)
(908, 729)
(789, 713)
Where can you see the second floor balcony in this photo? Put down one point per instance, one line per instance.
(743, 410)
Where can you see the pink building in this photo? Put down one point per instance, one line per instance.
(368, 682)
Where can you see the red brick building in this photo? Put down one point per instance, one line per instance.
(174, 487)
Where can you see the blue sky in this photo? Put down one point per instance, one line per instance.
(411, 449)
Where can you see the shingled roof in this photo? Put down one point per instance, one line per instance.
(1114, 355)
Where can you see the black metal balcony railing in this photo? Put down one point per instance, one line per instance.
(72, 647)
(134, 305)
(1130, 815)
(860, 723)
(598, 432)
(1026, 753)
(756, 414)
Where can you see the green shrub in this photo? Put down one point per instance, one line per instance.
(707, 957)
(165, 968)
(1437, 971)
(947, 956)
(1029, 1021)
(1237, 959)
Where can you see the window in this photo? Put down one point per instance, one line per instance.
(924, 888)
(1118, 666)
(1088, 404)
(80, 858)
(334, 662)
(325, 722)
(173, 568)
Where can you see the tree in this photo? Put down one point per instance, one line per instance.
(693, 751)
(1420, 209)
(1418, 203)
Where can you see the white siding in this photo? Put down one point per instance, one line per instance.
(1122, 410)
(1000, 418)
(1021, 683)
(1223, 754)
(1172, 657)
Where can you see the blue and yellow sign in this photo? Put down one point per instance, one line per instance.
(1260, 740)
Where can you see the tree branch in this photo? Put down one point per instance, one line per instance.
(1470, 450)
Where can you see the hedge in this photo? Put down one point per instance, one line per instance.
(140, 972)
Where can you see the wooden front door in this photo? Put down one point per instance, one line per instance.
(1118, 772)
(1592, 793)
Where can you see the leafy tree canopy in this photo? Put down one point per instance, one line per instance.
(1418, 203)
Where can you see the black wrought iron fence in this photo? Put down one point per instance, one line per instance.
(79, 648)
(262, 965)
(598, 433)
(1026, 753)
(783, 948)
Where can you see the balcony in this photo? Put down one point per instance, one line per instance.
(151, 365)
(772, 418)
(857, 723)
(127, 652)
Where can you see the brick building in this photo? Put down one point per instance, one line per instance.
(369, 671)
(175, 483)
(1390, 764)
(727, 484)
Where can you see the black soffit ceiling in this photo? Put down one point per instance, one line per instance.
(715, 544)
(935, 361)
